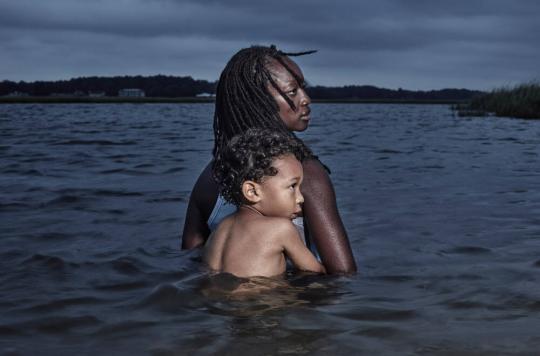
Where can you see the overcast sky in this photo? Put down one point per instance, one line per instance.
(412, 44)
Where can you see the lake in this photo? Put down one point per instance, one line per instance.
(443, 215)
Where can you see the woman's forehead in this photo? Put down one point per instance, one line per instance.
(279, 71)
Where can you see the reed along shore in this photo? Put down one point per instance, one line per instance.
(521, 101)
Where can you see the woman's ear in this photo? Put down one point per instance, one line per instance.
(251, 191)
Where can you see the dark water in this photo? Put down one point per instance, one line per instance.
(443, 215)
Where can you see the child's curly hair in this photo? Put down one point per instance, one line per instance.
(249, 156)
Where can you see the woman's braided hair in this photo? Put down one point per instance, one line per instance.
(243, 100)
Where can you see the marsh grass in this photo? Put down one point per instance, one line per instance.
(521, 101)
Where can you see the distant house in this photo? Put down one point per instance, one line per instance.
(206, 95)
(69, 95)
(96, 94)
(131, 92)
(17, 93)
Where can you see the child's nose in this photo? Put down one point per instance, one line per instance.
(299, 198)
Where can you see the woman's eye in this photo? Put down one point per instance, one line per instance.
(292, 92)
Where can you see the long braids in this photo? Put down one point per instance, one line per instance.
(243, 100)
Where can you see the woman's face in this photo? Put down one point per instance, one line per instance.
(294, 119)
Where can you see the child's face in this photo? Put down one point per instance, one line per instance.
(281, 195)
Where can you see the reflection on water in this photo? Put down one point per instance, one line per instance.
(442, 214)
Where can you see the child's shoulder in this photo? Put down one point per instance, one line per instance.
(226, 222)
(277, 227)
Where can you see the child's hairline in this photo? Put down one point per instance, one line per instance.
(267, 176)
(281, 156)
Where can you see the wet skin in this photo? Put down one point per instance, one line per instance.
(321, 216)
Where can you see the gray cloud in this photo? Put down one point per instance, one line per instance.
(414, 44)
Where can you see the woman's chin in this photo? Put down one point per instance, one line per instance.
(302, 126)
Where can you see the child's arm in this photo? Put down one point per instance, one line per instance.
(296, 250)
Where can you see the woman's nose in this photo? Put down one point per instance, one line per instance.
(306, 100)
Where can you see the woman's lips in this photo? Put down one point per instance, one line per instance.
(305, 115)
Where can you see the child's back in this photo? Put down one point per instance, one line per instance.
(262, 176)
(247, 244)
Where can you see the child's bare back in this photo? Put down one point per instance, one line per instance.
(247, 244)
(246, 234)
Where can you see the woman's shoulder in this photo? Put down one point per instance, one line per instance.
(315, 175)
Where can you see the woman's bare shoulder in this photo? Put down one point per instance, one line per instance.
(316, 178)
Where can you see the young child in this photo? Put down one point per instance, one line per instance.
(260, 172)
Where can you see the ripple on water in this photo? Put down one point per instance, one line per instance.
(120, 286)
(64, 201)
(96, 142)
(167, 298)
(128, 265)
(382, 332)
(52, 235)
(13, 206)
(51, 262)
(380, 314)
(114, 193)
(60, 324)
(395, 278)
(124, 327)
(129, 172)
(467, 250)
(174, 170)
(61, 304)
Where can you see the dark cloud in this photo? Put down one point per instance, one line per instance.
(417, 44)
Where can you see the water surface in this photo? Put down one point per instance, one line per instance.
(443, 214)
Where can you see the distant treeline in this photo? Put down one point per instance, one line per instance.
(173, 87)
(153, 86)
(367, 92)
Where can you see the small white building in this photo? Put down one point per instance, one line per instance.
(133, 92)
(205, 95)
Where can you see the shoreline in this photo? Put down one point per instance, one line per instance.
(192, 100)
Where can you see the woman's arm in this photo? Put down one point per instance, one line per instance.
(201, 202)
(321, 217)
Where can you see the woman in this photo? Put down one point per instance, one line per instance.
(262, 87)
